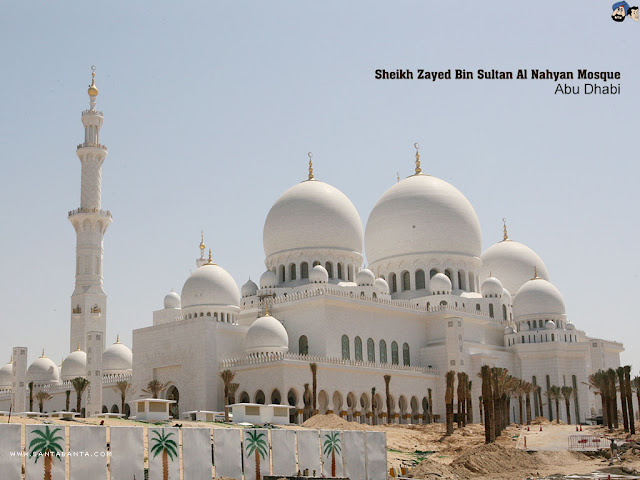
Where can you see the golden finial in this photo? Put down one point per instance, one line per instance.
(535, 272)
(418, 169)
(504, 222)
(42, 353)
(266, 309)
(93, 90)
(210, 261)
(310, 155)
(118, 338)
(11, 359)
(202, 245)
(77, 349)
(398, 176)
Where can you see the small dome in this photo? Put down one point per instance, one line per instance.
(249, 289)
(570, 326)
(318, 275)
(42, 371)
(268, 280)
(538, 297)
(440, 283)
(365, 278)
(506, 296)
(210, 285)
(491, 287)
(311, 215)
(75, 365)
(550, 325)
(508, 331)
(382, 285)
(524, 327)
(172, 300)
(513, 263)
(117, 359)
(6, 376)
(267, 335)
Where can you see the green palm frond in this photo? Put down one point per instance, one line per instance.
(332, 443)
(256, 442)
(45, 441)
(163, 443)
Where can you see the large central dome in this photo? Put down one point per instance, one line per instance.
(312, 215)
(422, 215)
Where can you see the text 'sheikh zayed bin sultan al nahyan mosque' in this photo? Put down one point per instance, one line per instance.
(429, 302)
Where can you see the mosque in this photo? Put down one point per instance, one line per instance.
(429, 301)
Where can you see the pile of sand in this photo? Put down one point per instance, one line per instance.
(431, 470)
(540, 421)
(492, 458)
(333, 422)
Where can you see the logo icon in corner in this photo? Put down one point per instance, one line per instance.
(622, 10)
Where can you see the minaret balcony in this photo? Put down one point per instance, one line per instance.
(92, 145)
(77, 211)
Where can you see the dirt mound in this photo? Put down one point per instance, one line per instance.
(540, 421)
(558, 422)
(333, 422)
(430, 470)
(492, 458)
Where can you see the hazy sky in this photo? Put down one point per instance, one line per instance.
(210, 109)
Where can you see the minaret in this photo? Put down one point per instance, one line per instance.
(89, 302)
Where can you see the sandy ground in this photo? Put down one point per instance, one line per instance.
(461, 456)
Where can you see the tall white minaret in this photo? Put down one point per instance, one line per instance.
(89, 302)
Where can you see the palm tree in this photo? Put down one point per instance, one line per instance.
(468, 400)
(623, 398)
(448, 400)
(155, 388)
(374, 420)
(460, 394)
(67, 400)
(162, 443)
(306, 398)
(387, 381)
(233, 388)
(80, 385)
(47, 445)
(554, 394)
(635, 383)
(256, 446)
(520, 392)
(613, 396)
(487, 403)
(431, 405)
(600, 383)
(529, 388)
(567, 393)
(627, 381)
(124, 388)
(31, 396)
(538, 392)
(331, 445)
(227, 377)
(314, 383)
(42, 396)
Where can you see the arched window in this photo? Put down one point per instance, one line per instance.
(346, 354)
(329, 267)
(292, 271)
(477, 307)
(406, 358)
(432, 272)
(304, 270)
(553, 337)
(406, 281)
(393, 283)
(394, 353)
(303, 345)
(522, 338)
(460, 279)
(340, 271)
(472, 285)
(491, 310)
(420, 281)
(282, 274)
(383, 351)
(358, 347)
(350, 273)
(449, 274)
(504, 313)
(371, 350)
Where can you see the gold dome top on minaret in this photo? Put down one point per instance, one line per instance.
(93, 90)
(418, 168)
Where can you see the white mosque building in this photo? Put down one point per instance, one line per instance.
(429, 301)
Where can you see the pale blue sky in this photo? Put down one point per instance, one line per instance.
(211, 107)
